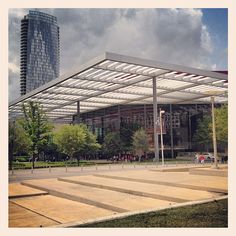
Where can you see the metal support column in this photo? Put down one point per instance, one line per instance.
(102, 127)
(93, 125)
(190, 130)
(78, 113)
(156, 144)
(171, 133)
(119, 117)
(145, 117)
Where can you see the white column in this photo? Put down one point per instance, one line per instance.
(162, 146)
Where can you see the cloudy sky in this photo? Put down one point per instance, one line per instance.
(191, 37)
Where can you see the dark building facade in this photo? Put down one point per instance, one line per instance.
(180, 123)
(40, 50)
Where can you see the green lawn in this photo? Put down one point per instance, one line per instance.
(213, 214)
(41, 164)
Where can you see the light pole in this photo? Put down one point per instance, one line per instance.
(162, 146)
(214, 131)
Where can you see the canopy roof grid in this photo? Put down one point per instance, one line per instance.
(114, 79)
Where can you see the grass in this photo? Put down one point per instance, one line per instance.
(213, 214)
(41, 164)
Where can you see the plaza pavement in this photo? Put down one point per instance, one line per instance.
(65, 200)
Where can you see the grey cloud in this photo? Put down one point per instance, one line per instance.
(14, 85)
(171, 35)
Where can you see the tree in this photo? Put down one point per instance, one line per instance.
(50, 150)
(37, 127)
(112, 144)
(91, 146)
(221, 122)
(18, 140)
(75, 139)
(126, 134)
(140, 142)
(203, 134)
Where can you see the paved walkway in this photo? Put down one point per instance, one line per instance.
(18, 190)
(55, 209)
(45, 173)
(177, 179)
(94, 194)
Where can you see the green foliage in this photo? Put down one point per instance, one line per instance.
(72, 139)
(211, 214)
(22, 158)
(37, 127)
(221, 122)
(140, 142)
(91, 145)
(18, 140)
(203, 133)
(126, 134)
(112, 144)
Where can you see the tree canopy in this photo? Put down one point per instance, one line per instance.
(72, 139)
(203, 134)
(126, 133)
(112, 144)
(37, 127)
(140, 142)
(18, 140)
(221, 122)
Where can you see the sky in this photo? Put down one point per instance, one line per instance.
(191, 37)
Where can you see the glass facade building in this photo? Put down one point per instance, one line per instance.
(40, 50)
(180, 123)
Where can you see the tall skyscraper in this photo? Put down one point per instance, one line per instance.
(40, 50)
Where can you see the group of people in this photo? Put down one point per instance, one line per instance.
(127, 158)
(201, 158)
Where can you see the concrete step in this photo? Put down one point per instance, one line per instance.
(16, 190)
(184, 168)
(103, 198)
(168, 193)
(165, 183)
(175, 179)
(22, 217)
(209, 172)
(60, 210)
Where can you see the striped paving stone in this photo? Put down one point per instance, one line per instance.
(107, 199)
(178, 179)
(60, 210)
(22, 217)
(19, 190)
(162, 192)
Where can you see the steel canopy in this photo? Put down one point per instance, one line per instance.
(114, 79)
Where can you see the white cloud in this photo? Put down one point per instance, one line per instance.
(170, 35)
(14, 68)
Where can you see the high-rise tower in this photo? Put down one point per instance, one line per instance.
(40, 50)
